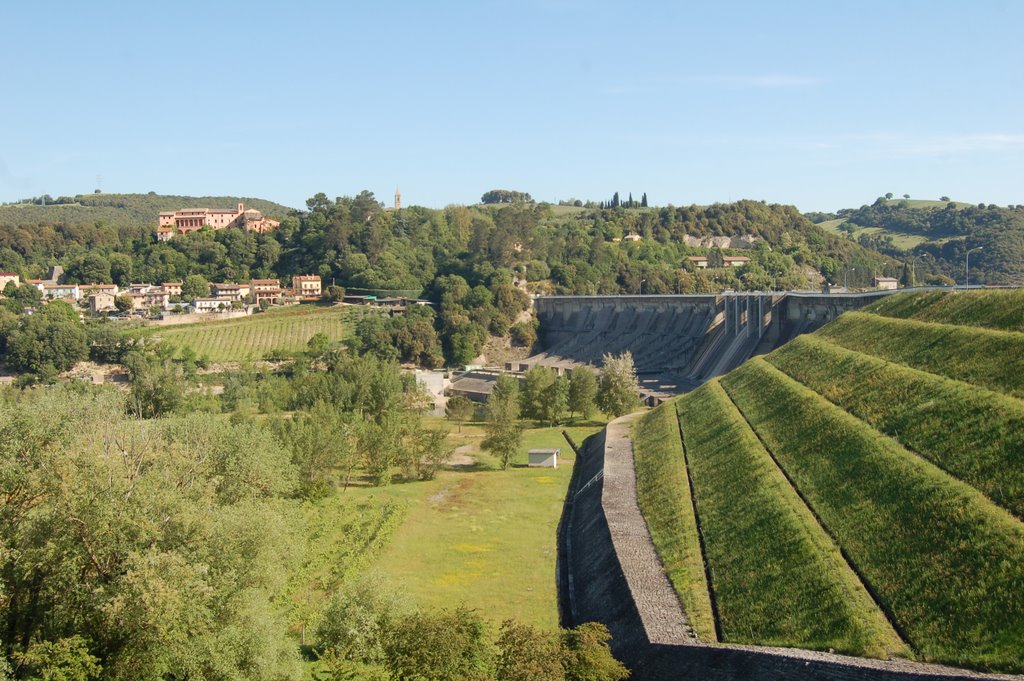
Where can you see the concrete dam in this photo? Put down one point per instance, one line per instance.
(678, 341)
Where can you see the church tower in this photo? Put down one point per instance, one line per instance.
(398, 199)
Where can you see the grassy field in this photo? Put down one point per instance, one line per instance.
(664, 496)
(285, 329)
(975, 434)
(982, 357)
(1001, 310)
(794, 589)
(485, 537)
(946, 561)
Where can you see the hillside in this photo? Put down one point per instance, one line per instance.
(938, 234)
(477, 264)
(129, 210)
(883, 456)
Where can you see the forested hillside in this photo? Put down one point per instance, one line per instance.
(477, 263)
(940, 234)
(128, 210)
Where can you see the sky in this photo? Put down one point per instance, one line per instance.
(823, 105)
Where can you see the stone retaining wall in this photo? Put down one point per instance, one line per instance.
(609, 572)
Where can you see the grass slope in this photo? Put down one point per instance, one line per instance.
(248, 338)
(1001, 310)
(946, 562)
(975, 434)
(778, 578)
(983, 357)
(664, 497)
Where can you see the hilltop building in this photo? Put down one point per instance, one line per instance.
(193, 219)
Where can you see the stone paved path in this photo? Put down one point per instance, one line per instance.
(656, 600)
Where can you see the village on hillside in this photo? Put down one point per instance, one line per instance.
(182, 301)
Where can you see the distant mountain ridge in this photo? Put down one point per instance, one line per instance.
(131, 210)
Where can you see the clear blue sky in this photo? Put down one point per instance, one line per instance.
(819, 104)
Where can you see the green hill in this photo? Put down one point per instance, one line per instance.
(859, 489)
(127, 210)
(939, 233)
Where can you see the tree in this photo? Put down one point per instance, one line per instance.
(317, 344)
(504, 433)
(123, 303)
(459, 409)
(888, 195)
(158, 384)
(431, 450)
(22, 297)
(544, 395)
(505, 196)
(526, 654)
(195, 286)
(619, 392)
(587, 655)
(582, 392)
(643, 200)
(48, 342)
(943, 198)
(716, 258)
(907, 278)
(906, 196)
(443, 646)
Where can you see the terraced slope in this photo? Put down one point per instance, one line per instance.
(862, 488)
(1003, 310)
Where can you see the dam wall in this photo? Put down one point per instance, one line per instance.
(678, 341)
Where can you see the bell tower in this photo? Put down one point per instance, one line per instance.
(398, 199)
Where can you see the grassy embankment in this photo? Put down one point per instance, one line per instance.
(946, 562)
(898, 441)
(664, 495)
(793, 589)
(982, 357)
(975, 434)
(285, 329)
(1000, 310)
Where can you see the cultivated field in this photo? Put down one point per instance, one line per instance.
(286, 329)
(859, 489)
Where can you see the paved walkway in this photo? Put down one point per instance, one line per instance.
(656, 600)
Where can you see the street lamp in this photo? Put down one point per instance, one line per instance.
(642, 286)
(846, 278)
(913, 266)
(967, 266)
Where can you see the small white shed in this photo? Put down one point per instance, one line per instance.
(544, 458)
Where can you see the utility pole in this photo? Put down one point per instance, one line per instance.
(913, 266)
(967, 266)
